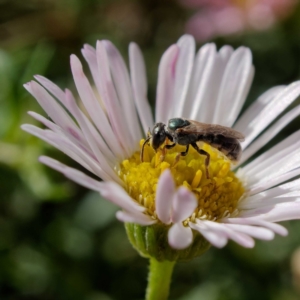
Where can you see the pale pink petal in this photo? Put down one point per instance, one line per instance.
(112, 104)
(240, 238)
(45, 121)
(89, 53)
(271, 111)
(72, 174)
(135, 217)
(184, 204)
(93, 107)
(164, 196)
(200, 91)
(254, 231)
(60, 142)
(120, 76)
(256, 107)
(277, 228)
(235, 86)
(262, 186)
(116, 194)
(139, 86)
(269, 134)
(95, 141)
(184, 67)
(217, 239)
(179, 236)
(55, 111)
(276, 213)
(166, 83)
(52, 88)
(270, 157)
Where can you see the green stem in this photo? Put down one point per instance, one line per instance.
(159, 279)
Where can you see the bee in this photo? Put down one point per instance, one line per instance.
(188, 132)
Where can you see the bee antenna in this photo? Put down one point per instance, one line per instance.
(142, 152)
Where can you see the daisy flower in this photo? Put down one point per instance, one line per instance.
(169, 206)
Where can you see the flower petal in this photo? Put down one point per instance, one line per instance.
(254, 231)
(263, 139)
(240, 238)
(139, 85)
(277, 228)
(235, 86)
(217, 239)
(72, 174)
(121, 81)
(116, 194)
(180, 237)
(112, 103)
(184, 67)
(164, 196)
(201, 83)
(276, 213)
(280, 102)
(134, 217)
(184, 204)
(165, 85)
(93, 107)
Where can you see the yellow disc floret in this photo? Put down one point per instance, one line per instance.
(217, 195)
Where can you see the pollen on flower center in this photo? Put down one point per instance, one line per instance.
(217, 196)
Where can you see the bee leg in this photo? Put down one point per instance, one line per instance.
(207, 159)
(163, 151)
(181, 154)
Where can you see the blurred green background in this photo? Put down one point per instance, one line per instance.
(61, 241)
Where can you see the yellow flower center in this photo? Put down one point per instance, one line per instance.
(217, 196)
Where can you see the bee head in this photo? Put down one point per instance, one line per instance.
(158, 135)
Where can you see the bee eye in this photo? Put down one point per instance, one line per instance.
(158, 135)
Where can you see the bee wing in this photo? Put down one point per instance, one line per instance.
(203, 128)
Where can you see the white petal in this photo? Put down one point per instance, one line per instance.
(121, 81)
(256, 107)
(54, 110)
(139, 85)
(45, 121)
(269, 134)
(165, 85)
(95, 141)
(51, 87)
(89, 54)
(180, 237)
(240, 238)
(216, 238)
(72, 174)
(279, 212)
(116, 194)
(235, 86)
(93, 107)
(184, 204)
(63, 144)
(136, 217)
(254, 231)
(262, 186)
(277, 228)
(164, 196)
(184, 68)
(112, 103)
(276, 161)
(200, 90)
(271, 111)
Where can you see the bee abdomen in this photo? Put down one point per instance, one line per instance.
(232, 151)
(231, 148)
